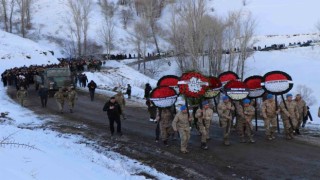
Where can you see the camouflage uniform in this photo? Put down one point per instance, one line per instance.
(291, 112)
(72, 96)
(181, 123)
(225, 114)
(249, 112)
(241, 122)
(303, 110)
(60, 96)
(269, 114)
(121, 101)
(21, 95)
(204, 117)
(165, 117)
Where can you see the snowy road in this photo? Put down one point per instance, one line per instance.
(279, 159)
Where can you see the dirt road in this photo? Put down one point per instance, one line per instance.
(278, 159)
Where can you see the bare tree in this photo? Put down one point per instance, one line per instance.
(79, 25)
(141, 39)
(306, 94)
(126, 17)
(214, 45)
(108, 8)
(193, 17)
(4, 6)
(108, 35)
(245, 39)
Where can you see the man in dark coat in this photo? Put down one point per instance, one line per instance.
(129, 91)
(92, 87)
(113, 111)
(43, 93)
(147, 91)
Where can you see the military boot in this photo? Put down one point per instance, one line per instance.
(288, 137)
(297, 131)
(204, 146)
(226, 141)
(251, 140)
(165, 142)
(269, 138)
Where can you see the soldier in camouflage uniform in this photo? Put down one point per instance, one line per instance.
(22, 95)
(122, 102)
(269, 114)
(303, 110)
(60, 97)
(248, 114)
(165, 117)
(204, 117)
(72, 96)
(241, 122)
(289, 111)
(225, 110)
(181, 123)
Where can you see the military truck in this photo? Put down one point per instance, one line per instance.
(54, 78)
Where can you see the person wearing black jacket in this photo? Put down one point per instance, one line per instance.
(113, 111)
(147, 91)
(43, 93)
(92, 87)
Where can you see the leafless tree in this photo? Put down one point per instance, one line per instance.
(141, 39)
(247, 26)
(107, 33)
(126, 17)
(79, 25)
(4, 6)
(108, 8)
(193, 19)
(306, 94)
(214, 44)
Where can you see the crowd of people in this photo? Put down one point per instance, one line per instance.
(170, 123)
(294, 113)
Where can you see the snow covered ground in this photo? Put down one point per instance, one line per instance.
(52, 155)
(55, 156)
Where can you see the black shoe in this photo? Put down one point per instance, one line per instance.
(166, 143)
(120, 133)
(204, 146)
(297, 131)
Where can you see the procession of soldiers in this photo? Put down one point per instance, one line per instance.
(233, 115)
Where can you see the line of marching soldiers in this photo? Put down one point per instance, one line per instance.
(292, 111)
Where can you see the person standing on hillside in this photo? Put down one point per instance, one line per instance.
(113, 111)
(147, 91)
(22, 95)
(43, 93)
(303, 110)
(92, 87)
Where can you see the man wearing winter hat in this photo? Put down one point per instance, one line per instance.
(289, 111)
(225, 109)
(204, 117)
(269, 114)
(248, 113)
(181, 123)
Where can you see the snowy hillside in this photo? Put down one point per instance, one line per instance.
(16, 52)
(285, 17)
